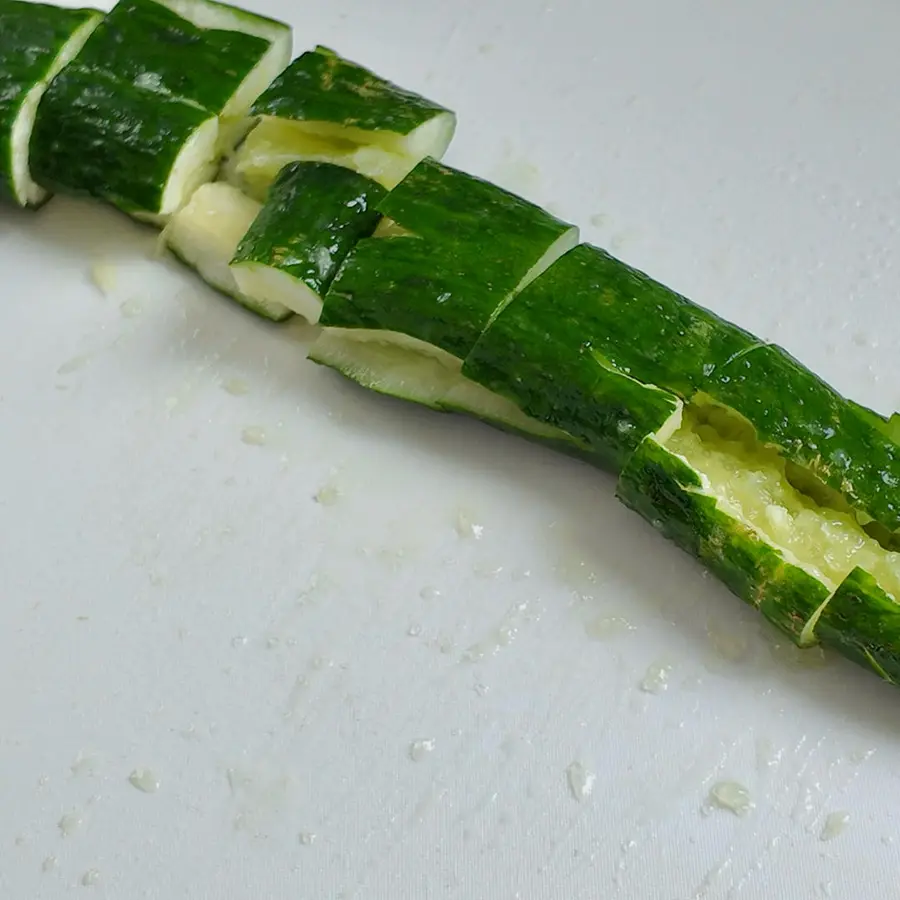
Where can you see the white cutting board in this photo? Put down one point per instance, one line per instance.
(382, 694)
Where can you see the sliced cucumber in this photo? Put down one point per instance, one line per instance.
(728, 499)
(134, 118)
(583, 347)
(36, 42)
(325, 108)
(862, 621)
(421, 291)
(205, 235)
(313, 217)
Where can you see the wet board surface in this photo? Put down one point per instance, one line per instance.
(266, 635)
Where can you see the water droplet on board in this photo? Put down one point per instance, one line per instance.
(90, 878)
(605, 627)
(420, 748)
(834, 825)
(656, 680)
(581, 780)
(254, 435)
(307, 838)
(731, 796)
(237, 387)
(69, 824)
(144, 780)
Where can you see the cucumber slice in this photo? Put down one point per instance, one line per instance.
(134, 118)
(205, 235)
(862, 621)
(728, 499)
(581, 346)
(423, 289)
(313, 217)
(36, 41)
(328, 109)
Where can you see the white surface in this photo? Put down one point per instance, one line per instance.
(366, 697)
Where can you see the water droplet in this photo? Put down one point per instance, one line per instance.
(90, 878)
(414, 630)
(69, 824)
(429, 593)
(238, 641)
(834, 825)
(49, 864)
(328, 495)
(606, 627)
(581, 780)
(237, 387)
(131, 309)
(307, 838)
(420, 748)
(466, 526)
(144, 780)
(254, 435)
(656, 680)
(731, 796)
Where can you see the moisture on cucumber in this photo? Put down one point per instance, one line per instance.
(314, 215)
(36, 42)
(326, 108)
(205, 235)
(419, 292)
(137, 117)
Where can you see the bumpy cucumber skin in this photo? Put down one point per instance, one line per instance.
(662, 488)
(31, 37)
(314, 215)
(472, 244)
(862, 622)
(502, 234)
(320, 86)
(112, 123)
(544, 352)
(814, 427)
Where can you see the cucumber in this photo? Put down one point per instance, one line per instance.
(205, 235)
(722, 495)
(862, 621)
(328, 109)
(36, 42)
(416, 296)
(834, 445)
(585, 346)
(134, 119)
(313, 216)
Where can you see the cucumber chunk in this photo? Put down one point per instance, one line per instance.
(312, 218)
(36, 42)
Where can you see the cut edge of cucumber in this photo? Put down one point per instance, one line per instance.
(781, 523)
(194, 166)
(209, 15)
(205, 234)
(25, 189)
(274, 287)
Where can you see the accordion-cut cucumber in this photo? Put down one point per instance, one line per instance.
(328, 109)
(723, 496)
(312, 218)
(862, 622)
(36, 42)
(584, 347)
(423, 289)
(205, 235)
(134, 118)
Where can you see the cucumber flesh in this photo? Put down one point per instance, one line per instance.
(328, 109)
(205, 235)
(739, 495)
(36, 42)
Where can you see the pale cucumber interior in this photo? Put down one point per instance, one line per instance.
(274, 142)
(205, 235)
(274, 287)
(195, 165)
(27, 192)
(753, 483)
(405, 367)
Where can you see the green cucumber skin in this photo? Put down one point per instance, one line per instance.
(96, 137)
(31, 37)
(469, 217)
(143, 40)
(468, 253)
(114, 120)
(862, 622)
(815, 428)
(401, 284)
(313, 211)
(662, 488)
(320, 86)
(540, 351)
